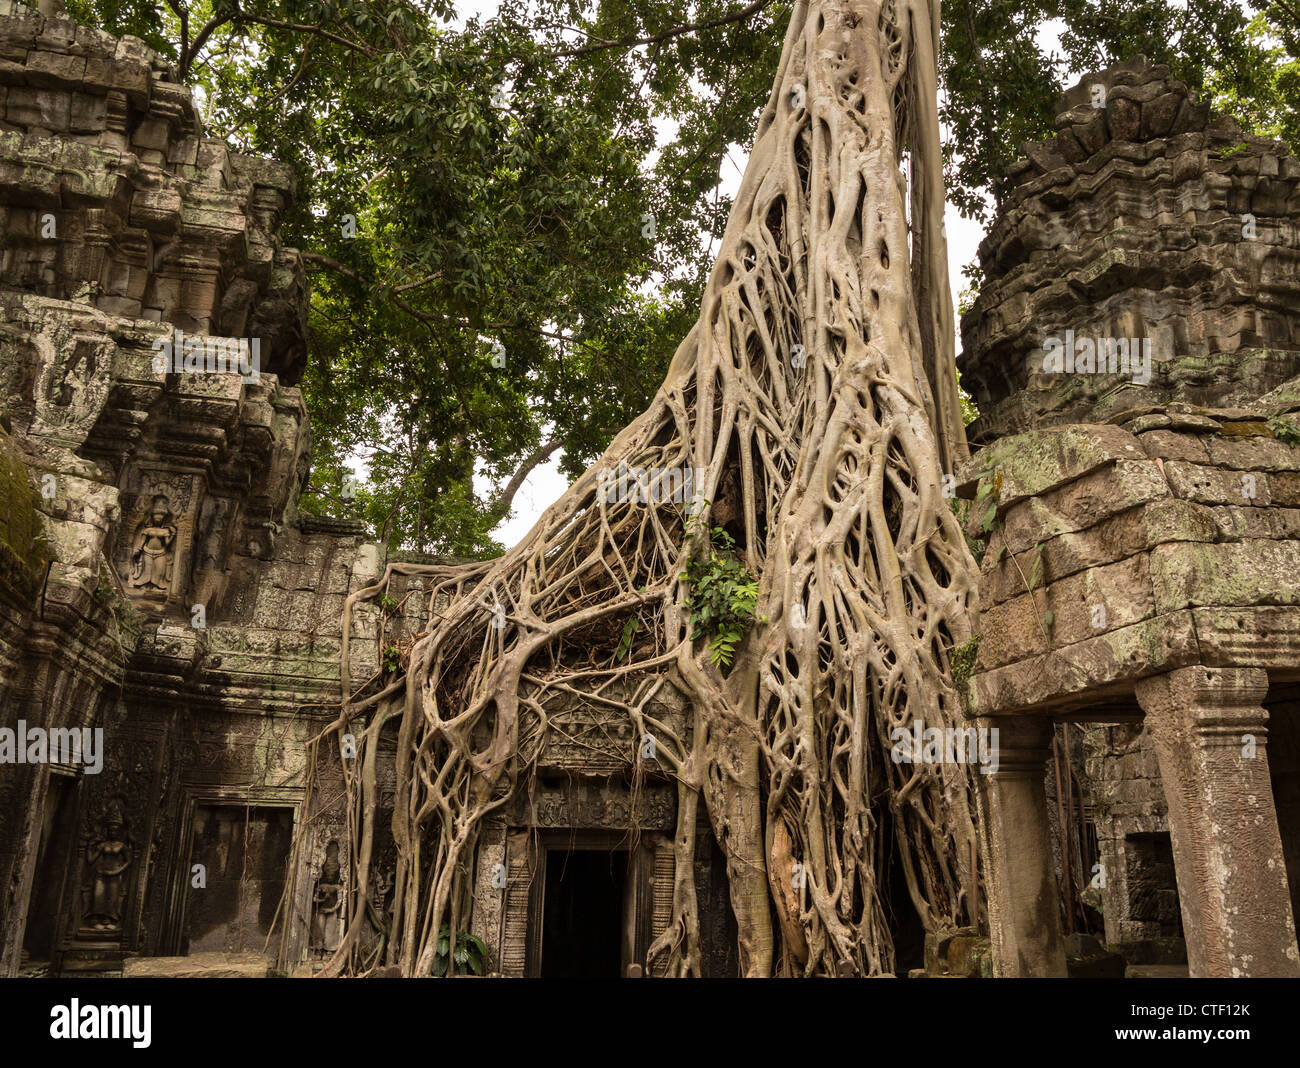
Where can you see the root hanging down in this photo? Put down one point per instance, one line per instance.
(814, 405)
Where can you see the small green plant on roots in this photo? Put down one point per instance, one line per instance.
(630, 628)
(468, 957)
(722, 598)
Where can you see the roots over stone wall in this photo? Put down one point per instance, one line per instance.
(815, 403)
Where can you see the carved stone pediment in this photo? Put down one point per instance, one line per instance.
(593, 738)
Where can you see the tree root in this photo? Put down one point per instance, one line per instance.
(815, 399)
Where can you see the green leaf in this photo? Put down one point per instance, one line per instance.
(625, 642)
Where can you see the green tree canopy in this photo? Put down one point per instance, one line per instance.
(508, 220)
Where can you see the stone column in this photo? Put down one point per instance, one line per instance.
(1209, 727)
(1023, 899)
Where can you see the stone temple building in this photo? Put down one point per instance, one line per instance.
(1143, 530)
(156, 579)
(161, 590)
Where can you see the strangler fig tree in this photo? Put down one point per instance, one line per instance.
(816, 407)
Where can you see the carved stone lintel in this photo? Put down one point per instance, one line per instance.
(599, 806)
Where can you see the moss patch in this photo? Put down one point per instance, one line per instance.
(963, 662)
(21, 528)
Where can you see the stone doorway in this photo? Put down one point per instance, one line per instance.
(244, 851)
(583, 915)
(54, 854)
(590, 904)
(1152, 884)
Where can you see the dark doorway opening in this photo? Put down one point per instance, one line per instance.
(582, 914)
(719, 935)
(904, 922)
(1284, 770)
(58, 835)
(1153, 882)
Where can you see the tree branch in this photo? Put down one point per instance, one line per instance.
(200, 39)
(677, 31)
(302, 27)
(349, 272)
(182, 13)
(1288, 9)
(501, 506)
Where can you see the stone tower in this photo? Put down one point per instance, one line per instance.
(1134, 353)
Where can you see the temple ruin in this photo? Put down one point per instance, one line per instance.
(158, 582)
(1141, 527)
(1138, 527)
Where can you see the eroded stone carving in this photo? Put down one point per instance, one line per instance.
(108, 858)
(327, 903)
(600, 806)
(152, 548)
(1152, 218)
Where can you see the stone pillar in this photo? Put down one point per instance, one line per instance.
(1023, 899)
(1209, 727)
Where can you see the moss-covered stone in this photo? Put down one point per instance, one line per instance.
(963, 662)
(22, 528)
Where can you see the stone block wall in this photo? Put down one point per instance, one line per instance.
(1123, 550)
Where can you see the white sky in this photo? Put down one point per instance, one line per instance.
(546, 483)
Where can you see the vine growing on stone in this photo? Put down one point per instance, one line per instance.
(823, 473)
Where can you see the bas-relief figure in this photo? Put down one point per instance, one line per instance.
(73, 373)
(152, 547)
(327, 903)
(108, 857)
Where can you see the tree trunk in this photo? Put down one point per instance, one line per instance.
(816, 395)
